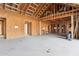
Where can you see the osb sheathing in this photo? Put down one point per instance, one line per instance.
(15, 19)
(44, 27)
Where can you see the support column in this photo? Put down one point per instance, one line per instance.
(72, 26)
(40, 29)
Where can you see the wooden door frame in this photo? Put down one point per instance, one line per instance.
(3, 26)
(29, 27)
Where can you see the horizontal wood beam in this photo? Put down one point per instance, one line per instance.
(59, 15)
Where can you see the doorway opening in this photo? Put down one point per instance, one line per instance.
(2, 27)
(28, 28)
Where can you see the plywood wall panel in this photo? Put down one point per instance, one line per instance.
(14, 19)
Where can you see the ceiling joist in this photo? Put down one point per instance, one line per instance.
(37, 9)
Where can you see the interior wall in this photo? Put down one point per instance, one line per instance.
(15, 24)
(35, 27)
(44, 27)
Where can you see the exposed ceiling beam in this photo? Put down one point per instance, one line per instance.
(38, 9)
(73, 5)
(26, 6)
(43, 9)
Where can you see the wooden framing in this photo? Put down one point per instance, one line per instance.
(3, 20)
(72, 26)
(40, 28)
(37, 10)
(42, 10)
(59, 15)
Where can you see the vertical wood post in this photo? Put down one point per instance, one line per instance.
(72, 26)
(40, 28)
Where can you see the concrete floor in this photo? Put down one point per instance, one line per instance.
(45, 45)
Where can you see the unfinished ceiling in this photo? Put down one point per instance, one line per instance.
(32, 9)
(37, 9)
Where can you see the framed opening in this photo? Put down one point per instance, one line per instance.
(28, 28)
(3, 27)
